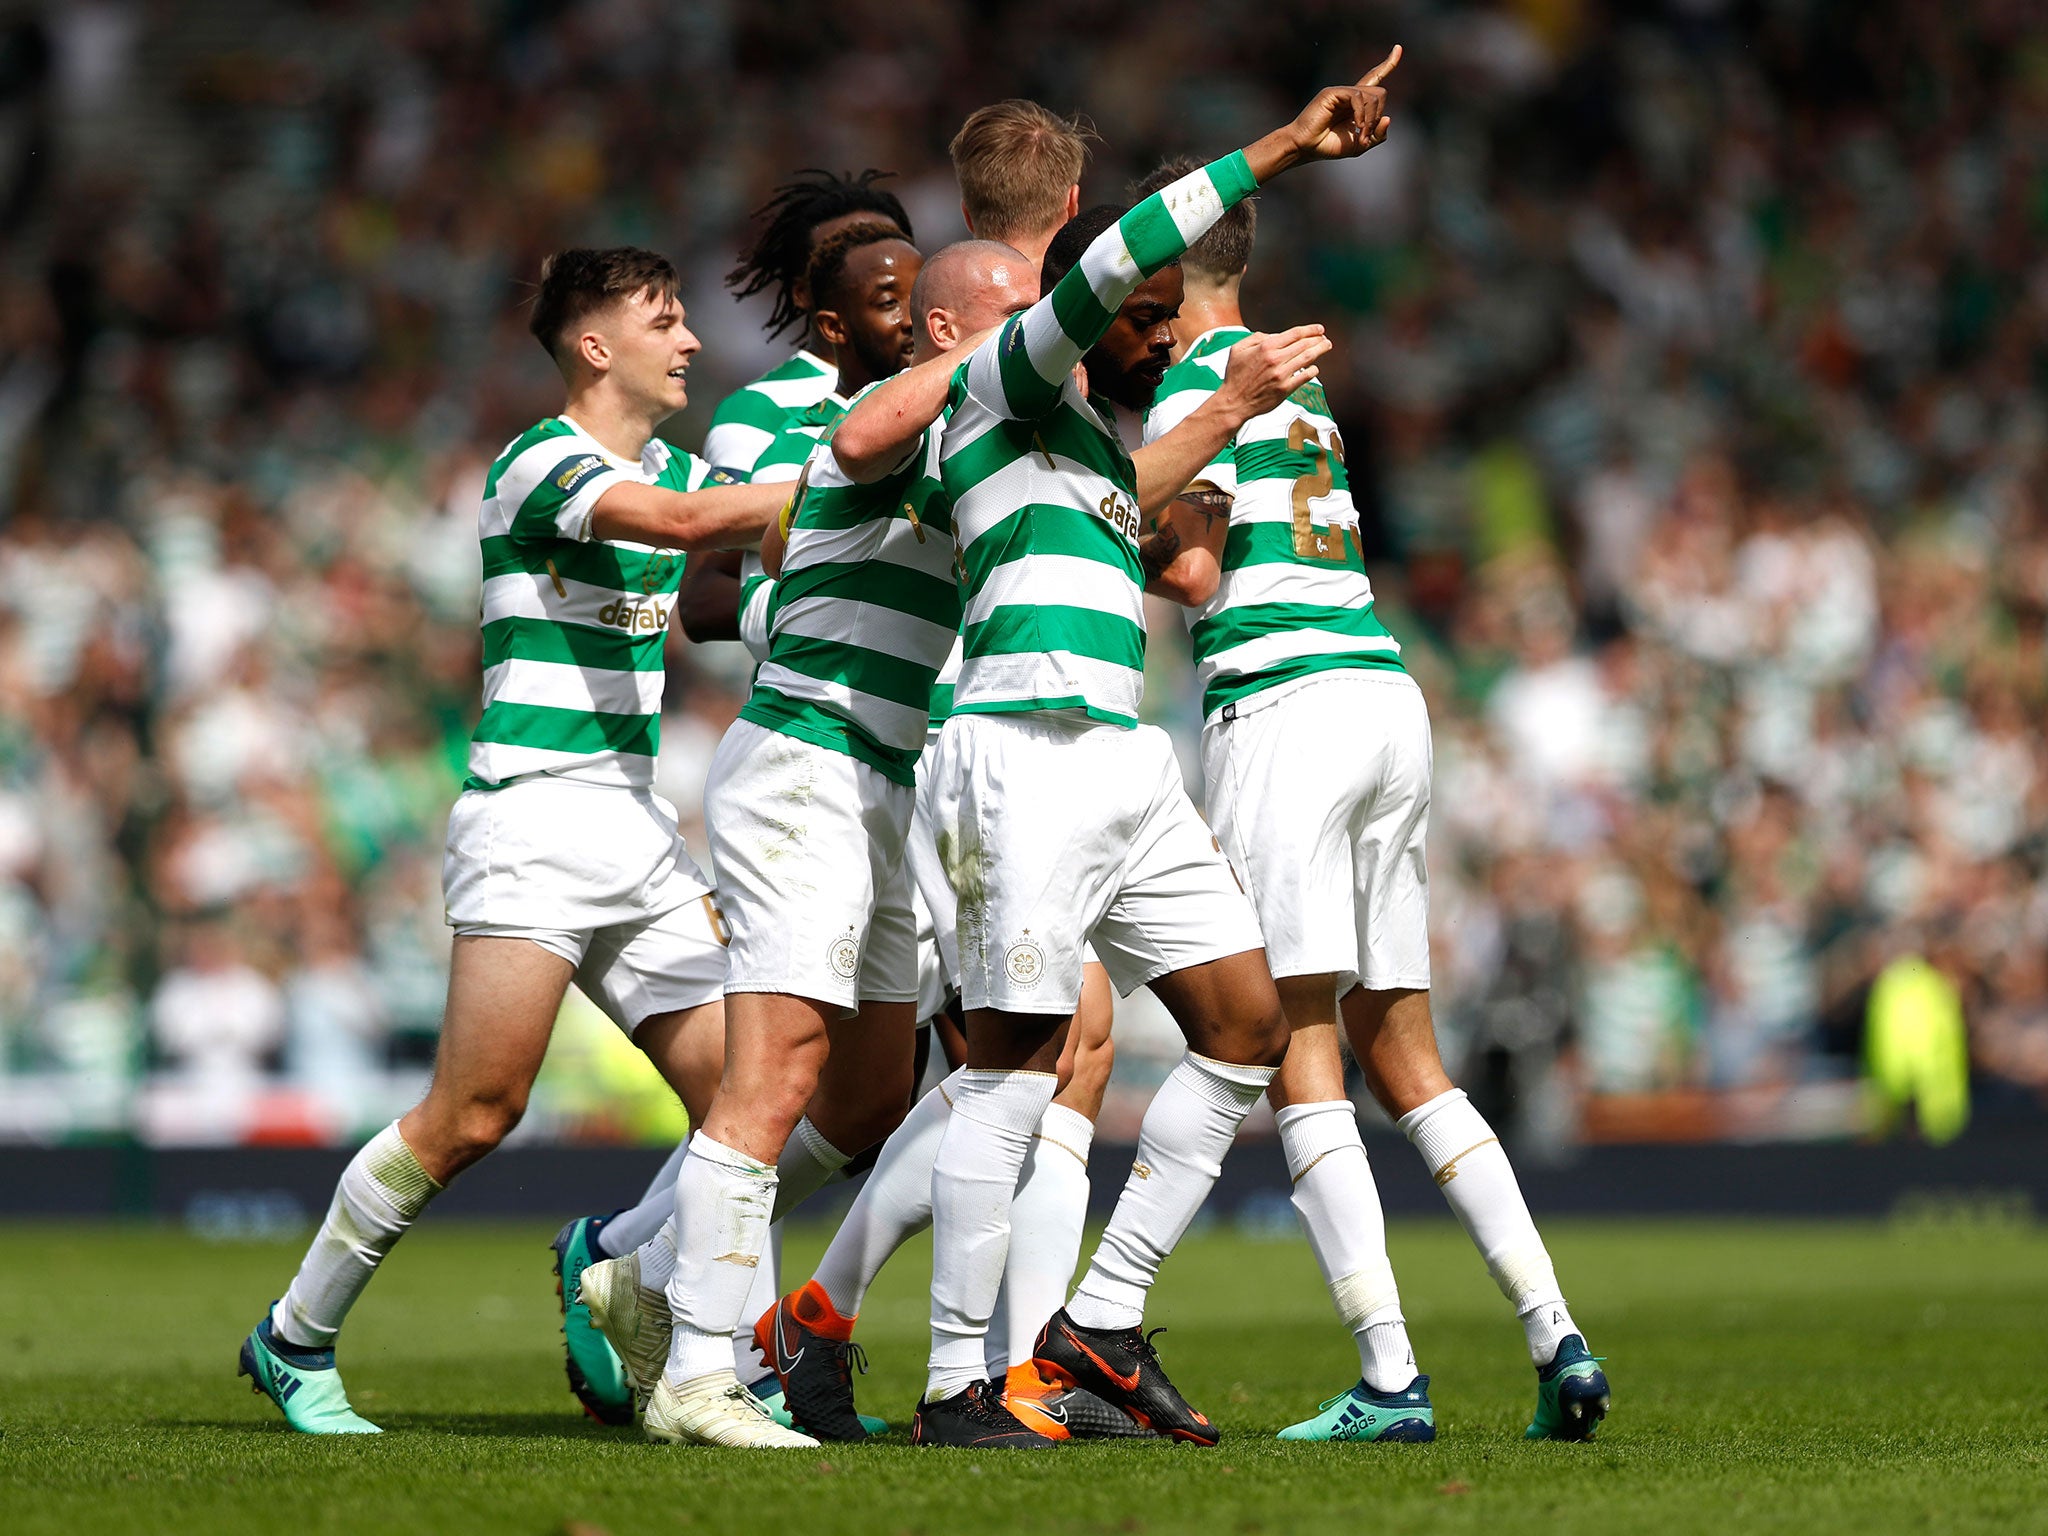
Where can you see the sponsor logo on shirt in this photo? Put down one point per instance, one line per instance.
(634, 618)
(577, 472)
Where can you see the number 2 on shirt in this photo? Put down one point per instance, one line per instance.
(1309, 542)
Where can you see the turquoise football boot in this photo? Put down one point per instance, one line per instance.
(1571, 1394)
(302, 1382)
(596, 1374)
(769, 1391)
(1403, 1417)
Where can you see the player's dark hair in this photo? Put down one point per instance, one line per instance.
(1074, 238)
(580, 281)
(828, 262)
(1226, 250)
(782, 250)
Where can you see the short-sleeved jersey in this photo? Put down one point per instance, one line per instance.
(1293, 600)
(748, 419)
(785, 456)
(864, 611)
(1043, 490)
(572, 625)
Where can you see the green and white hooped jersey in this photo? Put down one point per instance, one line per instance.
(572, 626)
(863, 614)
(942, 689)
(782, 461)
(1043, 491)
(750, 418)
(1293, 600)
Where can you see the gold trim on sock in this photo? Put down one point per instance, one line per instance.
(1449, 1170)
(1053, 1141)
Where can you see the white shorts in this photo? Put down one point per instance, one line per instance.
(938, 954)
(596, 874)
(1320, 795)
(1052, 832)
(808, 845)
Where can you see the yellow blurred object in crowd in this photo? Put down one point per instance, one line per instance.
(599, 1086)
(1916, 1051)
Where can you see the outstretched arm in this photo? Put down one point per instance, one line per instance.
(1019, 371)
(1262, 371)
(719, 517)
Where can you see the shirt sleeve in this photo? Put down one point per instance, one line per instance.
(553, 486)
(757, 598)
(1019, 372)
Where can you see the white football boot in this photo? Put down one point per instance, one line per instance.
(717, 1410)
(633, 1318)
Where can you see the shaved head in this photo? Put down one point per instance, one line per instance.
(966, 288)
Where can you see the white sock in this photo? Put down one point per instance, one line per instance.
(1046, 1220)
(766, 1290)
(1471, 1167)
(657, 1257)
(974, 1179)
(724, 1203)
(1190, 1125)
(638, 1223)
(892, 1207)
(1339, 1205)
(382, 1190)
(807, 1164)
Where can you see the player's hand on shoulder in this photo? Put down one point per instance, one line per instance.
(1266, 367)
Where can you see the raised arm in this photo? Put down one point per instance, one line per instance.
(1020, 370)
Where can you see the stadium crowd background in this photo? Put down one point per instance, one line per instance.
(1691, 362)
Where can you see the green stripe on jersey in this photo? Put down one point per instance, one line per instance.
(1039, 479)
(866, 608)
(569, 619)
(1293, 599)
(748, 419)
(569, 730)
(804, 720)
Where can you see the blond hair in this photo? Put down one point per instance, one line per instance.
(1016, 162)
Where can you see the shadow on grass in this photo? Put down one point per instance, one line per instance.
(496, 1426)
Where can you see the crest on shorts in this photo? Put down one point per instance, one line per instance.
(845, 955)
(1024, 963)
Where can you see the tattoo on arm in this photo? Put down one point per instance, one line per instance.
(1157, 550)
(1208, 501)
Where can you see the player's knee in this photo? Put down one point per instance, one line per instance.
(482, 1124)
(1259, 1038)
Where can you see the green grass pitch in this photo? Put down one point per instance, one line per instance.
(1768, 1377)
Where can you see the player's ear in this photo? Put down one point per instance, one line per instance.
(940, 329)
(830, 326)
(1073, 201)
(594, 352)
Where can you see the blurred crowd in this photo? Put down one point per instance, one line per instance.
(1691, 364)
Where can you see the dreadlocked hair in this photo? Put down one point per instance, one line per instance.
(828, 261)
(781, 253)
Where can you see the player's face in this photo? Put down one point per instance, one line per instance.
(820, 233)
(875, 318)
(651, 350)
(1134, 354)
